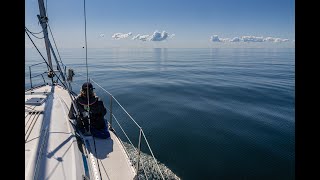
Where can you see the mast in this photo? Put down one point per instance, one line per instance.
(43, 19)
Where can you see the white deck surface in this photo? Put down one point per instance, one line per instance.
(112, 158)
(51, 150)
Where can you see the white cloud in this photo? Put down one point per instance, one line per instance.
(272, 39)
(215, 38)
(251, 39)
(277, 40)
(136, 37)
(235, 39)
(121, 35)
(102, 35)
(156, 36)
(285, 40)
(141, 37)
(225, 39)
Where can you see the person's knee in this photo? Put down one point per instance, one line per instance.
(103, 133)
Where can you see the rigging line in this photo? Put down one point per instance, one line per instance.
(36, 47)
(52, 33)
(33, 34)
(54, 43)
(37, 37)
(44, 59)
(85, 36)
(46, 8)
(58, 65)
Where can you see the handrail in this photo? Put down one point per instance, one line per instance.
(130, 143)
(41, 74)
(117, 103)
(36, 64)
(141, 132)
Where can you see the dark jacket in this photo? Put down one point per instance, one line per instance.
(97, 112)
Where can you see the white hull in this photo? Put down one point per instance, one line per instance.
(51, 147)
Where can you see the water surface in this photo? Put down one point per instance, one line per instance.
(207, 113)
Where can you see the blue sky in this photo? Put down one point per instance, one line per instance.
(197, 23)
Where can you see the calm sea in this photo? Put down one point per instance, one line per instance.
(207, 113)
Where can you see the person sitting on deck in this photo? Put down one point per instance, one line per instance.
(95, 112)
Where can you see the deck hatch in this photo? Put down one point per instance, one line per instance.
(36, 101)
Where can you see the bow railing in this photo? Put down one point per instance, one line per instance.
(134, 152)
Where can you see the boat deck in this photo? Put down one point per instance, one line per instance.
(51, 148)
